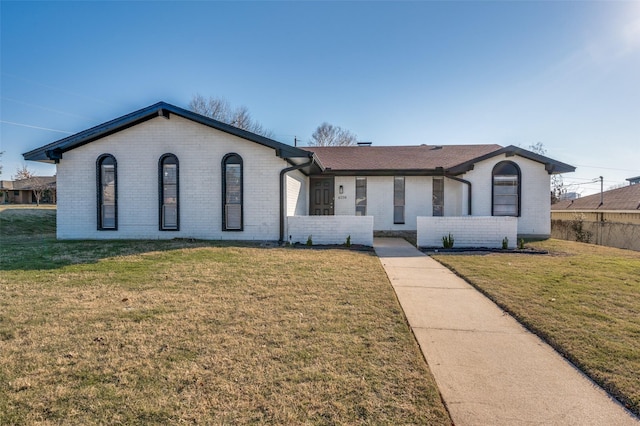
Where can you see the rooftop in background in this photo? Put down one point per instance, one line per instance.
(28, 183)
(625, 198)
(634, 180)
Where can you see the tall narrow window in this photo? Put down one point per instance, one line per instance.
(232, 193)
(107, 192)
(361, 196)
(438, 196)
(506, 189)
(169, 192)
(398, 199)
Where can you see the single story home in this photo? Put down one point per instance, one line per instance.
(166, 172)
(26, 191)
(625, 198)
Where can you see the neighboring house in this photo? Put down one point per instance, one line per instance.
(23, 191)
(165, 172)
(634, 180)
(626, 198)
(610, 218)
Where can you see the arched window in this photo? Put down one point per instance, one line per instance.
(107, 192)
(506, 189)
(168, 189)
(232, 193)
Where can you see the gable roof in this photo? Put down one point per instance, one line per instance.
(625, 198)
(420, 159)
(54, 151)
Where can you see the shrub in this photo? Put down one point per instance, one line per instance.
(447, 241)
(577, 225)
(348, 242)
(521, 244)
(309, 241)
(505, 243)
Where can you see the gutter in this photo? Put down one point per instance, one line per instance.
(467, 183)
(283, 172)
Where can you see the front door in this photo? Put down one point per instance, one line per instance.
(321, 200)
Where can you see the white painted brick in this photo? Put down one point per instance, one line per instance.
(535, 214)
(331, 229)
(468, 231)
(200, 150)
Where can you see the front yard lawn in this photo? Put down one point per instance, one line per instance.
(582, 299)
(156, 332)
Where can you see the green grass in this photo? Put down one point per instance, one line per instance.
(157, 332)
(582, 299)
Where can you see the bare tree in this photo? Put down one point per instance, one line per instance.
(38, 185)
(558, 188)
(216, 108)
(538, 148)
(23, 173)
(1, 152)
(329, 135)
(220, 109)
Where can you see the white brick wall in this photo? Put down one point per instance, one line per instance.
(345, 203)
(296, 190)
(536, 203)
(468, 231)
(330, 229)
(418, 199)
(200, 150)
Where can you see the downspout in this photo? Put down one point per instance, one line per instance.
(467, 183)
(283, 172)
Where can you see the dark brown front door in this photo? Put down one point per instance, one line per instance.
(321, 200)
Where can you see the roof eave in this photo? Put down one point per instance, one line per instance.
(53, 152)
(550, 165)
(385, 172)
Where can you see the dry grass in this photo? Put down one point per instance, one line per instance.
(583, 299)
(193, 332)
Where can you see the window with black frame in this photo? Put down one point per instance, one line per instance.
(169, 193)
(398, 200)
(437, 198)
(506, 189)
(361, 196)
(232, 193)
(107, 192)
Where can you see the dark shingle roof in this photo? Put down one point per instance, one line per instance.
(625, 198)
(454, 159)
(398, 157)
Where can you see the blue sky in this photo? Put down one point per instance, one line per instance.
(566, 74)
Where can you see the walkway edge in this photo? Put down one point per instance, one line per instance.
(488, 367)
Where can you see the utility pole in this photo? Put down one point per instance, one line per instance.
(601, 191)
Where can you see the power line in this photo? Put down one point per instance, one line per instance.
(35, 127)
(609, 168)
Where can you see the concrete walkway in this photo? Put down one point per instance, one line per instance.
(489, 369)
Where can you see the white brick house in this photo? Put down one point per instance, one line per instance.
(164, 172)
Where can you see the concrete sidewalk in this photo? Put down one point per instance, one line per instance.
(489, 369)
